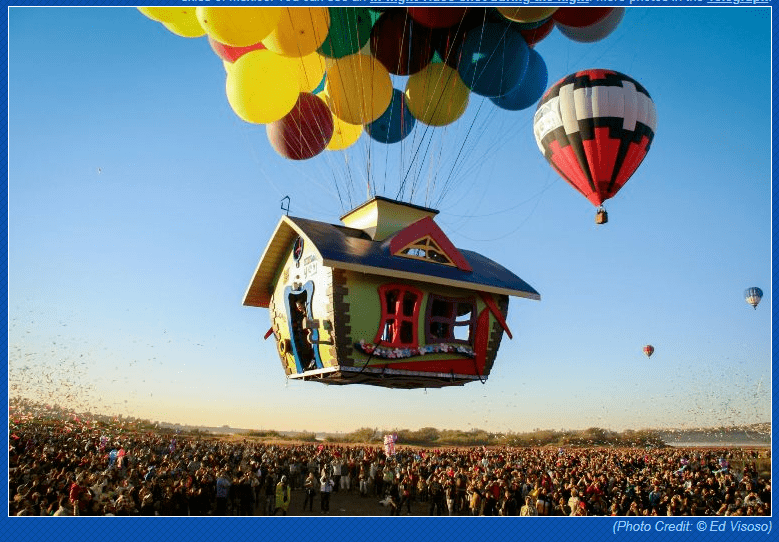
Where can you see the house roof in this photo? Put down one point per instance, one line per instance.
(351, 249)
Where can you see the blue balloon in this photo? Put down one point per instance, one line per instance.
(395, 123)
(530, 89)
(493, 59)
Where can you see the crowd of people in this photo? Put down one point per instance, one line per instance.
(59, 470)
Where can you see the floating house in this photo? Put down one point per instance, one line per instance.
(385, 299)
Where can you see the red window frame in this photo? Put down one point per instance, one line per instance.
(400, 305)
(450, 321)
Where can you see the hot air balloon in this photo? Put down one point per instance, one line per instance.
(649, 350)
(595, 128)
(753, 296)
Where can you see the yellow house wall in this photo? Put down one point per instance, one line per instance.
(365, 312)
(309, 268)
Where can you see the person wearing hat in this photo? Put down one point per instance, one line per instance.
(282, 496)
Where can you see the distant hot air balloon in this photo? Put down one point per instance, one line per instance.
(649, 350)
(595, 127)
(753, 296)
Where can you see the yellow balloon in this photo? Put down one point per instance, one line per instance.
(359, 88)
(160, 14)
(344, 134)
(325, 97)
(239, 26)
(228, 66)
(185, 24)
(299, 32)
(436, 95)
(311, 70)
(262, 87)
(526, 14)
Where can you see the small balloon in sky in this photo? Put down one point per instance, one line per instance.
(753, 296)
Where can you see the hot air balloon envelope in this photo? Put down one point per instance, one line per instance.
(753, 296)
(595, 127)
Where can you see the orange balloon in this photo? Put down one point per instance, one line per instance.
(359, 88)
(300, 31)
(437, 95)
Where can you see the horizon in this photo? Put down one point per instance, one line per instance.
(171, 424)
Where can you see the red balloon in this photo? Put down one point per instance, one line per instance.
(580, 16)
(438, 17)
(534, 35)
(230, 53)
(305, 131)
(593, 32)
(401, 44)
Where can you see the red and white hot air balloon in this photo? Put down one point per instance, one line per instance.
(595, 128)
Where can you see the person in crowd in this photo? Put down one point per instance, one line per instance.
(529, 508)
(223, 484)
(270, 493)
(283, 497)
(325, 489)
(363, 480)
(509, 506)
(309, 487)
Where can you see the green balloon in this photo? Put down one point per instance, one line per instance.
(350, 29)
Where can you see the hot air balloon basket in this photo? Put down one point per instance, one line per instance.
(601, 217)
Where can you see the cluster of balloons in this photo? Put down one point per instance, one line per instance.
(318, 77)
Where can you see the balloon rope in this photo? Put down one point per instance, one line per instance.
(428, 129)
(448, 182)
(420, 164)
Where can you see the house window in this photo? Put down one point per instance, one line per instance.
(399, 315)
(426, 249)
(450, 320)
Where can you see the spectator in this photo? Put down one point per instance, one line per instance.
(283, 497)
(325, 489)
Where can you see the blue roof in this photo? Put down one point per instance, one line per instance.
(345, 247)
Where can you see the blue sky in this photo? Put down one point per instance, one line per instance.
(139, 205)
